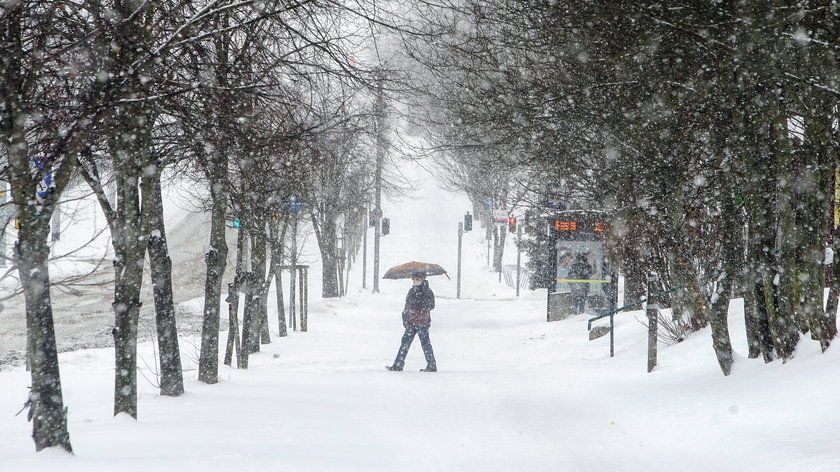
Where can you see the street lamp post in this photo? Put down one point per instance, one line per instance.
(380, 159)
(460, 237)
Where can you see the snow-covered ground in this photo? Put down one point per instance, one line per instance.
(513, 393)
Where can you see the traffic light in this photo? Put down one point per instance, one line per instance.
(386, 226)
(468, 222)
(511, 224)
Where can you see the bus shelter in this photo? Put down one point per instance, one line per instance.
(584, 281)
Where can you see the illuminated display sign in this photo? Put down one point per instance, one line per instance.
(564, 225)
(579, 228)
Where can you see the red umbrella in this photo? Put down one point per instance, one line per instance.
(404, 271)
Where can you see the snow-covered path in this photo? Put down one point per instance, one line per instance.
(514, 393)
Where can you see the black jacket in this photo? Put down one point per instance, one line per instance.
(419, 303)
(580, 269)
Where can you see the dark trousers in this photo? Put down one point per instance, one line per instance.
(408, 337)
(579, 291)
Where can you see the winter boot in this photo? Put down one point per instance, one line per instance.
(393, 368)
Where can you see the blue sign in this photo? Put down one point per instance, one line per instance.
(294, 205)
(555, 196)
(46, 182)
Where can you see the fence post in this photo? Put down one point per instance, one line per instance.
(653, 319)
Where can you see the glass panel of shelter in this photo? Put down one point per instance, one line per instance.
(582, 272)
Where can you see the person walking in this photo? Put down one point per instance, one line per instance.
(419, 303)
(580, 270)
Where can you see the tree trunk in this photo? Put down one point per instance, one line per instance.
(723, 291)
(250, 315)
(233, 341)
(130, 148)
(46, 403)
(758, 303)
(783, 323)
(258, 267)
(277, 261)
(216, 260)
(499, 247)
(128, 266)
(834, 289)
(47, 411)
(130, 139)
(325, 233)
(171, 374)
(687, 304)
(817, 171)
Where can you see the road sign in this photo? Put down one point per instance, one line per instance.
(500, 217)
(295, 206)
(46, 182)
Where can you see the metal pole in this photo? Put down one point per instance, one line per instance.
(380, 159)
(376, 256)
(518, 256)
(303, 315)
(653, 319)
(488, 237)
(460, 237)
(292, 282)
(364, 249)
(552, 270)
(497, 246)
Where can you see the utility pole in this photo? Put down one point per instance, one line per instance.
(488, 236)
(518, 256)
(380, 160)
(294, 259)
(364, 248)
(460, 237)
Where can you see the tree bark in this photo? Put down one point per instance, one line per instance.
(720, 301)
(818, 171)
(758, 274)
(216, 259)
(325, 233)
(171, 373)
(46, 403)
(258, 268)
(233, 341)
(834, 289)
(277, 261)
(783, 323)
(128, 266)
(687, 304)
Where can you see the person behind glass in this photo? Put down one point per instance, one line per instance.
(419, 303)
(580, 270)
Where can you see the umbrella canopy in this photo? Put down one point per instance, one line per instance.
(404, 271)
